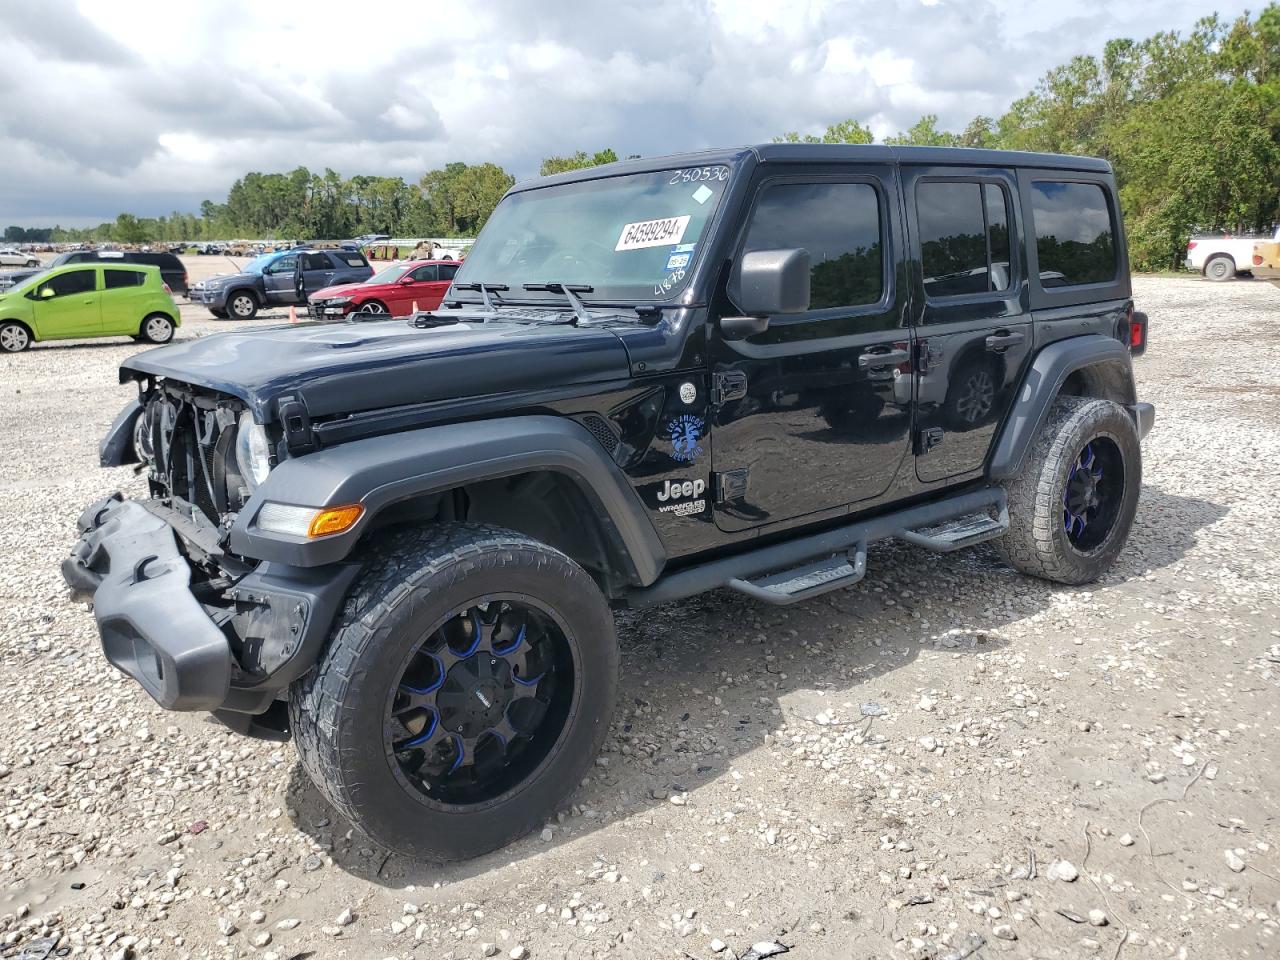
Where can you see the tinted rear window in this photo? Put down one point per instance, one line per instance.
(124, 278)
(165, 261)
(1075, 239)
(351, 259)
(964, 237)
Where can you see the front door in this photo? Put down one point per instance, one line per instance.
(73, 309)
(820, 425)
(277, 279)
(973, 324)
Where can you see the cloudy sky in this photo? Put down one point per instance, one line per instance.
(154, 106)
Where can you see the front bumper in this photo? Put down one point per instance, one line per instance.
(233, 651)
(209, 298)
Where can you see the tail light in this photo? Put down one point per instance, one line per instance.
(1257, 259)
(166, 289)
(1137, 332)
(1191, 244)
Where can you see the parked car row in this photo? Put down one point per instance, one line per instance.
(171, 269)
(282, 278)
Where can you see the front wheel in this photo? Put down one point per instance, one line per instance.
(242, 305)
(1072, 505)
(466, 689)
(14, 337)
(373, 308)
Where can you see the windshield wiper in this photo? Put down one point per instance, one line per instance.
(483, 289)
(580, 313)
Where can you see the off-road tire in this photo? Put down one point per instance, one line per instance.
(1036, 542)
(1220, 267)
(14, 337)
(411, 579)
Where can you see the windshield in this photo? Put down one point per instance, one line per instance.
(258, 264)
(390, 275)
(61, 259)
(627, 238)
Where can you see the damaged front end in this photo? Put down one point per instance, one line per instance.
(200, 628)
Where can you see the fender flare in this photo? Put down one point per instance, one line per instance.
(1041, 385)
(115, 449)
(380, 471)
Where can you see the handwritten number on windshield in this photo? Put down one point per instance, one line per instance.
(696, 174)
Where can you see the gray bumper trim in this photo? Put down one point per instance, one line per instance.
(1144, 416)
(152, 627)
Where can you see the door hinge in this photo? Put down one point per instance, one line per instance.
(728, 385)
(927, 439)
(730, 484)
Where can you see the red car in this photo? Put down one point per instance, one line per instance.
(391, 292)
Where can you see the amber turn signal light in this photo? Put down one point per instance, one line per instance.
(333, 520)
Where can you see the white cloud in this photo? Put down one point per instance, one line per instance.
(152, 105)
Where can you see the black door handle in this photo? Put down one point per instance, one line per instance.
(1005, 340)
(868, 361)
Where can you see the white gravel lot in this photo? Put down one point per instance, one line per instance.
(948, 757)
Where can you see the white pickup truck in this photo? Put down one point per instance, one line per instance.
(1221, 258)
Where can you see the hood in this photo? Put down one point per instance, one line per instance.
(343, 290)
(348, 367)
(223, 278)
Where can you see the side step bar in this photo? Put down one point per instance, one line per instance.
(814, 564)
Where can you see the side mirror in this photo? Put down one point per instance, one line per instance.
(770, 282)
(407, 279)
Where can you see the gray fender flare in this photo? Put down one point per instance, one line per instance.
(380, 471)
(1110, 369)
(116, 447)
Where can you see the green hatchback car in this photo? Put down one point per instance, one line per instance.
(88, 300)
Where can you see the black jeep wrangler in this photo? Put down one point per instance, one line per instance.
(399, 541)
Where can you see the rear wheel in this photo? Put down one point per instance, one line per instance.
(242, 305)
(157, 328)
(466, 690)
(1071, 507)
(1220, 267)
(14, 337)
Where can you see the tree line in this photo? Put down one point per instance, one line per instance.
(1190, 123)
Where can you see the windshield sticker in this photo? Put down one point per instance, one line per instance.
(678, 261)
(695, 174)
(702, 194)
(683, 248)
(652, 233)
(684, 432)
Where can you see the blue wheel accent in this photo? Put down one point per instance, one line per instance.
(424, 737)
(531, 682)
(423, 691)
(514, 646)
(478, 628)
(457, 762)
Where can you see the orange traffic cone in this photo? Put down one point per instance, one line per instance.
(293, 314)
(415, 306)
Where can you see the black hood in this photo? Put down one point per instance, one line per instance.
(347, 367)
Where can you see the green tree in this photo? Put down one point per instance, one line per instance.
(924, 133)
(457, 200)
(576, 161)
(845, 131)
(128, 229)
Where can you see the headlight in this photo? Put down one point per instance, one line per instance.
(252, 454)
(337, 301)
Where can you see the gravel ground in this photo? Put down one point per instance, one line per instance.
(948, 760)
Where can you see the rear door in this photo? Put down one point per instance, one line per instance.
(73, 309)
(973, 325)
(809, 418)
(317, 273)
(122, 299)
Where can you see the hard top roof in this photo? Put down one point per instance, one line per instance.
(830, 153)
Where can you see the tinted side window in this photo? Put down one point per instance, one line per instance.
(74, 281)
(964, 238)
(448, 270)
(423, 273)
(284, 265)
(123, 278)
(315, 261)
(839, 224)
(351, 259)
(1074, 238)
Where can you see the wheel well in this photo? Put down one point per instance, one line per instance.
(21, 323)
(548, 506)
(1108, 380)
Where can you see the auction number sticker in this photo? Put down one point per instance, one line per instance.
(652, 233)
(696, 174)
